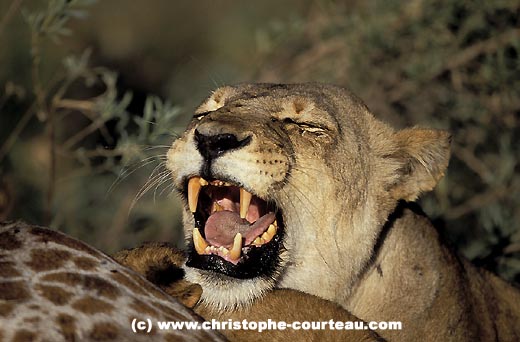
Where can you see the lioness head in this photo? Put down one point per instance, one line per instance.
(290, 185)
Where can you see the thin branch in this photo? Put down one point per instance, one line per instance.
(512, 248)
(476, 202)
(80, 105)
(9, 142)
(456, 61)
(94, 126)
(51, 127)
(96, 153)
(9, 14)
(486, 46)
(475, 164)
(35, 73)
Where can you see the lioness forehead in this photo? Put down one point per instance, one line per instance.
(298, 99)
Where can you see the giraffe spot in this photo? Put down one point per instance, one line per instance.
(6, 309)
(72, 279)
(171, 338)
(149, 288)
(54, 294)
(24, 336)
(33, 319)
(67, 327)
(85, 263)
(141, 307)
(7, 270)
(100, 286)
(9, 241)
(47, 259)
(104, 332)
(14, 290)
(91, 305)
(127, 282)
(172, 314)
(46, 235)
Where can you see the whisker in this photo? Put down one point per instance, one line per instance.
(126, 172)
(165, 176)
(153, 180)
(170, 187)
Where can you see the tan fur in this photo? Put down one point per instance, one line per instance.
(340, 182)
(155, 261)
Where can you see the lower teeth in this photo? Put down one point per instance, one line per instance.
(202, 247)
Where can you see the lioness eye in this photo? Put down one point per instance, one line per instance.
(200, 116)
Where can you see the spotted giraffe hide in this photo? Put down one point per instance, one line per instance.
(56, 288)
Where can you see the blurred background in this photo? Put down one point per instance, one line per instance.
(93, 93)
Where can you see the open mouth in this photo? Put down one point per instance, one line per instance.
(235, 233)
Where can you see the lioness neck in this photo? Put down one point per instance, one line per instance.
(414, 276)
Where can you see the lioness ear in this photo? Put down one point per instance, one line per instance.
(422, 158)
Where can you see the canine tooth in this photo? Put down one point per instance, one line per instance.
(245, 200)
(199, 242)
(272, 229)
(234, 253)
(194, 186)
(275, 223)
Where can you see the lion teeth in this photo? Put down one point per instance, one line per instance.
(234, 253)
(198, 241)
(258, 241)
(266, 236)
(194, 186)
(269, 234)
(245, 200)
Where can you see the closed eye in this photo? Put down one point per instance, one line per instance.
(200, 115)
(306, 126)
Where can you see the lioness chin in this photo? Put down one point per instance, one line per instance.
(299, 186)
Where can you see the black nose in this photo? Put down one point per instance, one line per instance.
(212, 146)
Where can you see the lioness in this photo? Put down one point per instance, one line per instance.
(299, 186)
(162, 265)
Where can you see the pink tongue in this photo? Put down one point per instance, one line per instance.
(222, 226)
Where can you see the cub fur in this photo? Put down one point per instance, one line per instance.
(162, 265)
(338, 182)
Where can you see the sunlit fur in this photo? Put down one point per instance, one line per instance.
(342, 181)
